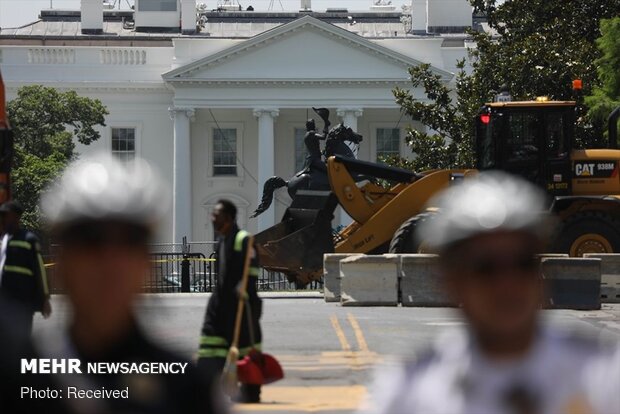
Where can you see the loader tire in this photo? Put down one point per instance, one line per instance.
(588, 232)
(405, 239)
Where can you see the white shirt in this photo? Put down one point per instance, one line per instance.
(560, 374)
(3, 247)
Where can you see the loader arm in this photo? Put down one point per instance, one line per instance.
(362, 200)
(379, 216)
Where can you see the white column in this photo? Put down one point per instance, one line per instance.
(182, 175)
(349, 118)
(266, 160)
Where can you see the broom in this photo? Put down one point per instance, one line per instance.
(229, 376)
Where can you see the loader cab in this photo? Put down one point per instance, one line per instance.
(531, 139)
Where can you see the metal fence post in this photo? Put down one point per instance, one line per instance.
(185, 273)
(185, 266)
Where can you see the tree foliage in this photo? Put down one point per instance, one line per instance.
(448, 143)
(606, 96)
(45, 123)
(536, 48)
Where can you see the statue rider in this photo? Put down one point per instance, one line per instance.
(314, 158)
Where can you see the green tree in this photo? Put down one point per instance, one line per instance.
(447, 112)
(537, 48)
(46, 123)
(606, 96)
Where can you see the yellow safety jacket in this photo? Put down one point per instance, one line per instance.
(218, 327)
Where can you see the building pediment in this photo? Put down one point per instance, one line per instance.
(306, 50)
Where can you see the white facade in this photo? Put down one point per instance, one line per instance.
(218, 116)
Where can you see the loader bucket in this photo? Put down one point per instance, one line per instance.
(296, 245)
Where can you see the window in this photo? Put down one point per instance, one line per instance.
(124, 143)
(388, 143)
(300, 149)
(522, 141)
(556, 141)
(157, 5)
(225, 151)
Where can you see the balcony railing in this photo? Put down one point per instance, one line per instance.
(70, 56)
(122, 56)
(52, 56)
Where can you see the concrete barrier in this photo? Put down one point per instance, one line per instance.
(610, 276)
(572, 283)
(420, 284)
(331, 275)
(369, 280)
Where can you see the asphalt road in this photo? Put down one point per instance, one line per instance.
(328, 352)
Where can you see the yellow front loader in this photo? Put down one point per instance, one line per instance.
(533, 140)
(296, 245)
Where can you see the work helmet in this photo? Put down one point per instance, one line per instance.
(102, 188)
(484, 203)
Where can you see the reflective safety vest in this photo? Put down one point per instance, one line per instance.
(23, 276)
(214, 346)
(217, 347)
(239, 239)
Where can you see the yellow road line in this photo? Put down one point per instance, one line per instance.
(359, 335)
(344, 344)
(326, 399)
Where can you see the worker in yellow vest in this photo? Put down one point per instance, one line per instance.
(219, 321)
(22, 272)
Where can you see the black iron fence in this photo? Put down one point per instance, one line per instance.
(177, 272)
(172, 271)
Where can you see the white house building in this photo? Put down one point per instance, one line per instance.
(218, 100)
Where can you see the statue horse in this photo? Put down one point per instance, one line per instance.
(308, 178)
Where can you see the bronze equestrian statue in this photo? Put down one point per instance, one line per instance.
(314, 174)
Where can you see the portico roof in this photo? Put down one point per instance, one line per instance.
(292, 53)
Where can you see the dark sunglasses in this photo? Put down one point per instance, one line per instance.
(105, 234)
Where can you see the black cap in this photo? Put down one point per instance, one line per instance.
(11, 207)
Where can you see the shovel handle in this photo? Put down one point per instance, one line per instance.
(243, 289)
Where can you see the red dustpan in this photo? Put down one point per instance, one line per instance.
(259, 368)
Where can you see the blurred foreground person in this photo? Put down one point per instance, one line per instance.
(22, 273)
(103, 214)
(219, 321)
(488, 232)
